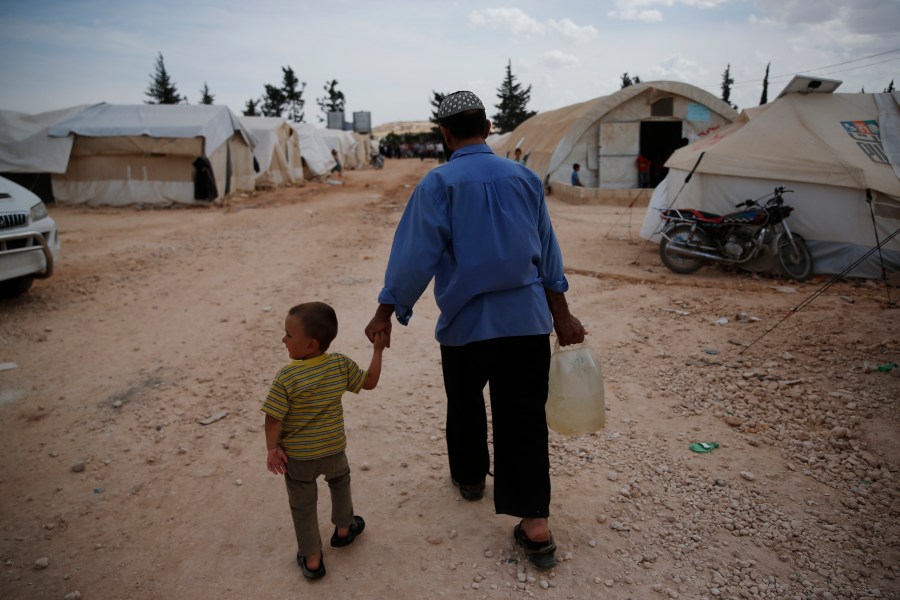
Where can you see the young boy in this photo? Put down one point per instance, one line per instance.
(305, 427)
(337, 168)
(576, 178)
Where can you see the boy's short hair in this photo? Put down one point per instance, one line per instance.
(576, 166)
(319, 322)
(466, 124)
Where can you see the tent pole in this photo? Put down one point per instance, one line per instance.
(878, 245)
(628, 209)
(674, 200)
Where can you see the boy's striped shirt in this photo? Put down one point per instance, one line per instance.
(306, 397)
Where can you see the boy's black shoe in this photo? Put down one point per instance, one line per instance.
(316, 574)
(357, 528)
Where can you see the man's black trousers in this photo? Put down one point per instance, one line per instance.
(515, 369)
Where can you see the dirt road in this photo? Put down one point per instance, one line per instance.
(157, 319)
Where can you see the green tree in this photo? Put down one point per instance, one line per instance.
(627, 80)
(890, 88)
(332, 101)
(205, 96)
(293, 95)
(251, 108)
(727, 80)
(162, 89)
(513, 102)
(436, 99)
(273, 101)
(765, 92)
(286, 98)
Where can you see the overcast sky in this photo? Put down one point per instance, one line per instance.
(389, 55)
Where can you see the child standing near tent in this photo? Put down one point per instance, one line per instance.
(304, 428)
(643, 168)
(337, 167)
(576, 178)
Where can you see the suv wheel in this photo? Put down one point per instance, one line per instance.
(15, 287)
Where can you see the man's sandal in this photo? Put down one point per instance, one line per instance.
(541, 554)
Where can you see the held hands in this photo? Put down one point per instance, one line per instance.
(380, 323)
(276, 461)
(381, 340)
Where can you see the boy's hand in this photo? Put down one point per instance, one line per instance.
(381, 323)
(380, 339)
(276, 461)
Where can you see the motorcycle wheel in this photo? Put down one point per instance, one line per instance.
(686, 236)
(795, 264)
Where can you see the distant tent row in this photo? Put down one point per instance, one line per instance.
(116, 155)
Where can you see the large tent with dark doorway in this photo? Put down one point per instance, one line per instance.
(839, 153)
(605, 135)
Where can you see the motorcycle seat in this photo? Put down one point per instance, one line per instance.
(692, 214)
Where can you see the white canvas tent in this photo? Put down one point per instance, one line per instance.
(344, 143)
(833, 150)
(26, 147)
(277, 151)
(28, 155)
(606, 134)
(145, 154)
(316, 153)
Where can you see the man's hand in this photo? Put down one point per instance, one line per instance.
(276, 461)
(569, 331)
(381, 323)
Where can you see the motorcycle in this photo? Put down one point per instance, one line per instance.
(755, 239)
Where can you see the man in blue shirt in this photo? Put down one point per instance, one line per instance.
(479, 226)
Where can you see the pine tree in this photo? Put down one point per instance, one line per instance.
(513, 100)
(251, 108)
(293, 96)
(205, 96)
(765, 92)
(333, 101)
(288, 97)
(273, 101)
(726, 85)
(161, 89)
(890, 88)
(436, 100)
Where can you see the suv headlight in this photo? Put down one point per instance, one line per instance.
(38, 212)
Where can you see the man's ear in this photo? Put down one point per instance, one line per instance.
(487, 128)
(448, 137)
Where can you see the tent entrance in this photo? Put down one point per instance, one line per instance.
(659, 139)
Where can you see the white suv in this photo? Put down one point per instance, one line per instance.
(29, 242)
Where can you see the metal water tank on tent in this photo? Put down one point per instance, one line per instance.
(362, 122)
(336, 120)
